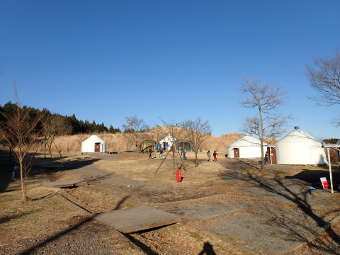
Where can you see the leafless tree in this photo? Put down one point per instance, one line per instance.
(133, 129)
(53, 126)
(196, 132)
(8, 140)
(273, 126)
(265, 98)
(158, 133)
(324, 76)
(19, 130)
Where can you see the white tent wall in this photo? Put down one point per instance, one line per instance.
(249, 147)
(300, 148)
(88, 145)
(247, 152)
(169, 140)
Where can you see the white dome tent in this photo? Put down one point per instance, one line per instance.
(300, 148)
(93, 144)
(246, 147)
(167, 142)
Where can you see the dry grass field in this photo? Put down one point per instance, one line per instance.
(118, 142)
(54, 220)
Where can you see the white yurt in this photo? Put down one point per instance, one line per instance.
(93, 144)
(300, 148)
(246, 147)
(167, 142)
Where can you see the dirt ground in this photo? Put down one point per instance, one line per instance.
(228, 207)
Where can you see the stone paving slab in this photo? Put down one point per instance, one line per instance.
(137, 219)
(206, 211)
(265, 233)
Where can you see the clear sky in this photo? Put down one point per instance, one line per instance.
(166, 60)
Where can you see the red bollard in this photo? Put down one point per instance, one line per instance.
(179, 177)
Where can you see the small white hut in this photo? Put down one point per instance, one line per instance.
(300, 148)
(93, 144)
(246, 147)
(167, 142)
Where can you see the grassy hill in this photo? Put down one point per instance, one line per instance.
(70, 144)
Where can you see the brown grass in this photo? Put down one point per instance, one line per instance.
(118, 142)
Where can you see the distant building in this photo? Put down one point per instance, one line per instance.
(93, 144)
(300, 148)
(246, 147)
(167, 142)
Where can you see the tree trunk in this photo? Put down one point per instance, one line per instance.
(196, 157)
(261, 137)
(10, 156)
(50, 149)
(22, 183)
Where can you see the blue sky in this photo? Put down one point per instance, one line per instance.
(166, 60)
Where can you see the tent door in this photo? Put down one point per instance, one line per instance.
(272, 152)
(236, 152)
(97, 147)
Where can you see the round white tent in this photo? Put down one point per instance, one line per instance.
(246, 147)
(167, 142)
(300, 148)
(93, 144)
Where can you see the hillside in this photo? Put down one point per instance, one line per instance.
(70, 144)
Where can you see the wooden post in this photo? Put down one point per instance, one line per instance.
(330, 170)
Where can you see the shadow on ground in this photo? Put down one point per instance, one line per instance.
(207, 249)
(40, 166)
(58, 235)
(301, 199)
(313, 177)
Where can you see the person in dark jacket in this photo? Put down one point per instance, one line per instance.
(215, 156)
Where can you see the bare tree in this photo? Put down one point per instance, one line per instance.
(265, 98)
(158, 133)
(324, 76)
(19, 130)
(273, 126)
(133, 129)
(196, 132)
(53, 126)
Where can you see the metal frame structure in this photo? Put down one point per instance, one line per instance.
(327, 147)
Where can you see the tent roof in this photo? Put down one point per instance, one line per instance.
(298, 136)
(168, 138)
(247, 141)
(94, 138)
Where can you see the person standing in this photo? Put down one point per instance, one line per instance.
(208, 155)
(215, 156)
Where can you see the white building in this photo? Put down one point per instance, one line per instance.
(246, 147)
(167, 142)
(93, 144)
(300, 148)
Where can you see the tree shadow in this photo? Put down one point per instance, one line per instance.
(146, 249)
(12, 217)
(313, 177)
(238, 164)
(57, 236)
(6, 167)
(301, 199)
(120, 203)
(88, 219)
(207, 249)
(55, 166)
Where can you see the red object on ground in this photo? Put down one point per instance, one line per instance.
(324, 182)
(325, 185)
(179, 176)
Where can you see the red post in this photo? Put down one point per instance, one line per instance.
(179, 176)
